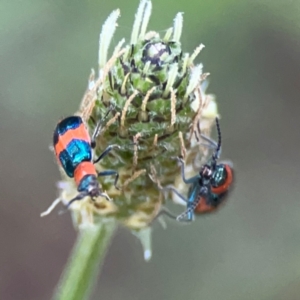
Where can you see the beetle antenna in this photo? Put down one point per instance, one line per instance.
(78, 197)
(191, 209)
(218, 149)
(202, 193)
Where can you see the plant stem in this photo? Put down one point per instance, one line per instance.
(83, 266)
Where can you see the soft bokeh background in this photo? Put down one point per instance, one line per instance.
(251, 248)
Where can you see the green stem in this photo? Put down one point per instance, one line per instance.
(82, 268)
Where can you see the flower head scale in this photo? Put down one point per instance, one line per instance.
(156, 96)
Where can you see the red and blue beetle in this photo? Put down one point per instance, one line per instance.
(209, 188)
(73, 149)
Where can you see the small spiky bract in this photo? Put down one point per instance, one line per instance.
(156, 97)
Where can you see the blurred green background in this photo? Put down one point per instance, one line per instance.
(251, 248)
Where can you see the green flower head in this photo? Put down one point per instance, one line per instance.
(150, 98)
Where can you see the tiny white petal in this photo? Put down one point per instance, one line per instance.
(168, 34)
(194, 79)
(178, 23)
(146, 19)
(145, 237)
(107, 32)
(137, 22)
(171, 78)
